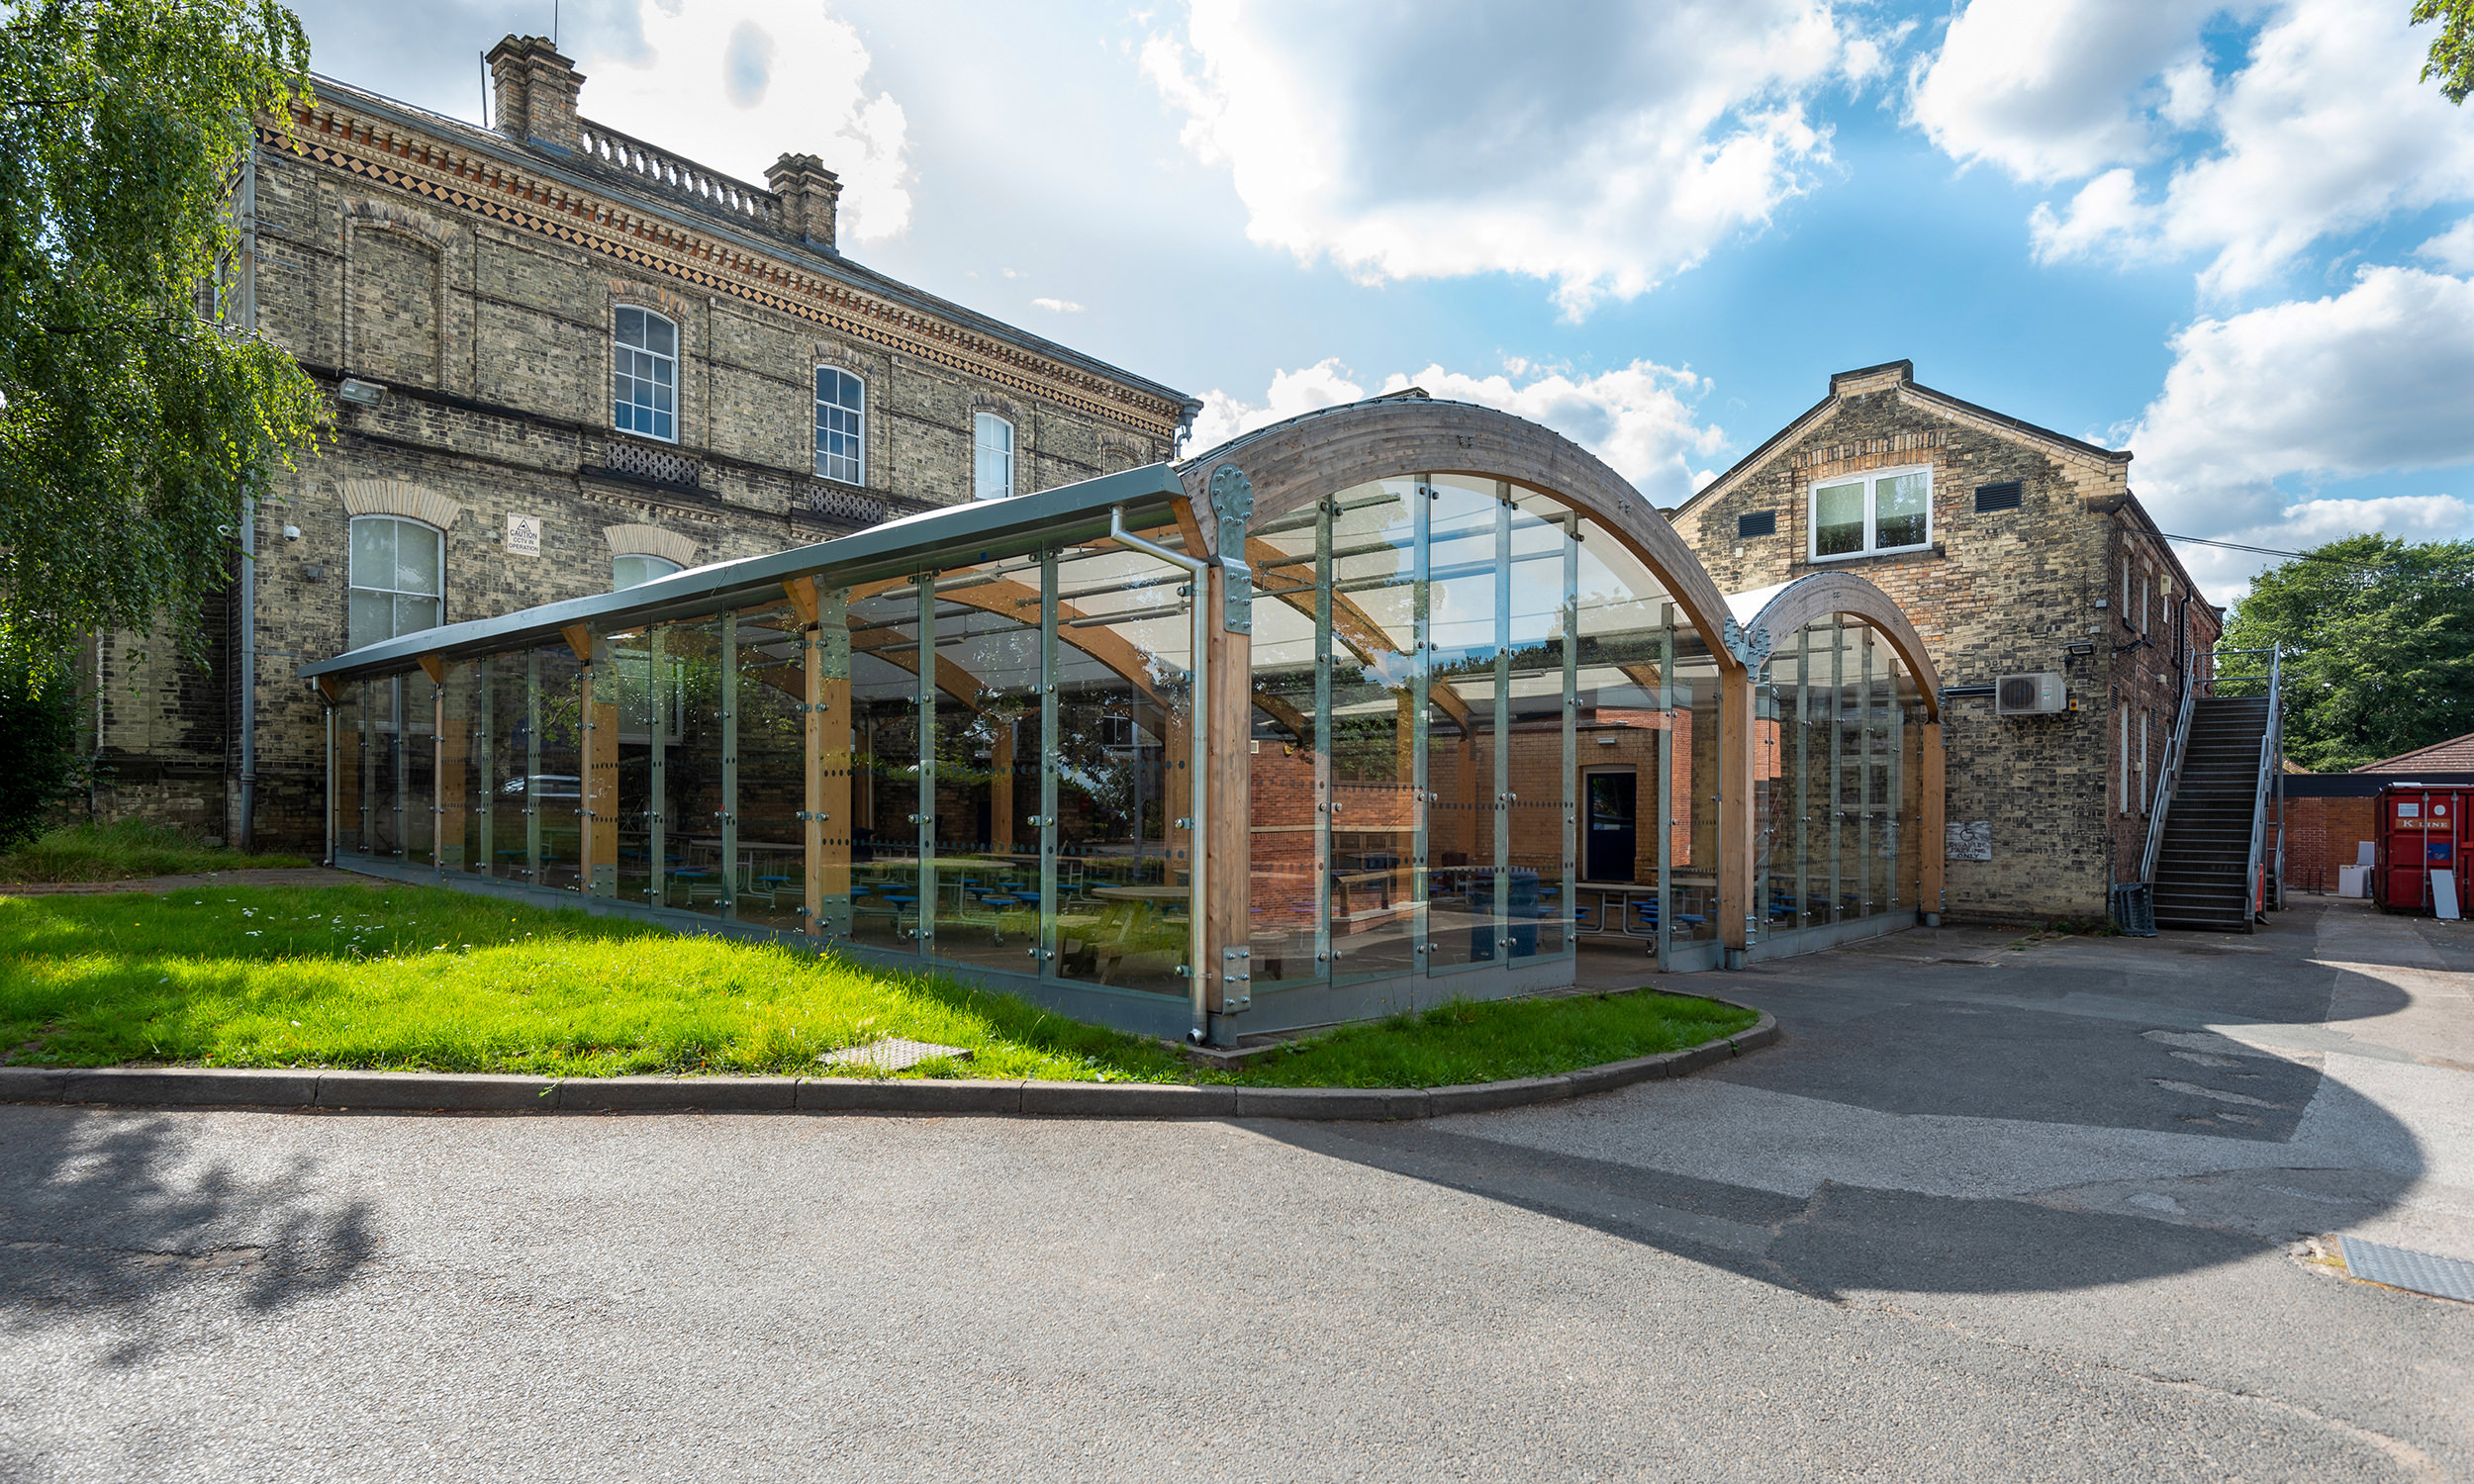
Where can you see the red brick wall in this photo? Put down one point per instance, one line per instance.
(2323, 835)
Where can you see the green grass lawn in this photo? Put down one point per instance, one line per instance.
(423, 977)
(121, 851)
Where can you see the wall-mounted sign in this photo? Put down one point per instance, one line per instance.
(1968, 840)
(523, 535)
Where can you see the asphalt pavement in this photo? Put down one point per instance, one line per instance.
(1987, 1212)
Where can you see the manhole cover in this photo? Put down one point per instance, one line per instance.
(2403, 1268)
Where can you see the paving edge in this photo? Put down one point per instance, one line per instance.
(282, 1088)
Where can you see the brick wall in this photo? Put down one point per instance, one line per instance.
(409, 258)
(2323, 834)
(1998, 592)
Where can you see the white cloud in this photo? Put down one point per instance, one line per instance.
(736, 84)
(2326, 129)
(1057, 305)
(2452, 250)
(1602, 147)
(2378, 378)
(2054, 91)
(1639, 418)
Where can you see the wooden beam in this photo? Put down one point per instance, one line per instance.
(1736, 816)
(330, 688)
(802, 596)
(580, 640)
(434, 668)
(1934, 811)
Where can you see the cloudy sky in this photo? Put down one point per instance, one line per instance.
(2235, 239)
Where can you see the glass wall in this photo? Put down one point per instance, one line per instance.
(765, 793)
(1839, 784)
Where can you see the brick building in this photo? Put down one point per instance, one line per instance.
(563, 360)
(2328, 819)
(2014, 550)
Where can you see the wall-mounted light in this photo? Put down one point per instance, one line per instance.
(362, 392)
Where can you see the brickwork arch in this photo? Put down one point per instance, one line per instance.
(650, 540)
(395, 497)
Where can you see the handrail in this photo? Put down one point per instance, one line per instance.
(2272, 749)
(2169, 777)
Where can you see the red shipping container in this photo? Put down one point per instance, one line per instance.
(2423, 828)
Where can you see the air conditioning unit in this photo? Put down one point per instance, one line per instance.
(2030, 695)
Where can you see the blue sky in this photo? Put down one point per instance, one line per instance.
(2238, 240)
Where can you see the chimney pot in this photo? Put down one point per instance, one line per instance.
(810, 198)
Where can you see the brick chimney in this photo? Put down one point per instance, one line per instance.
(810, 195)
(533, 92)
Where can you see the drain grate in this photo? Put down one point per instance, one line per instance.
(2403, 1268)
(892, 1054)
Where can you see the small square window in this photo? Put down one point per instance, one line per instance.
(1756, 524)
(2001, 496)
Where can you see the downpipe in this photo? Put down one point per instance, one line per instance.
(1198, 792)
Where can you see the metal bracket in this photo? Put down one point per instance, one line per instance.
(1232, 500)
(1751, 646)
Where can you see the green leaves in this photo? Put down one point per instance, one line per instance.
(2386, 633)
(136, 410)
(2451, 56)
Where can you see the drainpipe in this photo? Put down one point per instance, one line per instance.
(1198, 794)
(245, 837)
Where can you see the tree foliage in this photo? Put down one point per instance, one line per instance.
(2384, 634)
(132, 418)
(2451, 57)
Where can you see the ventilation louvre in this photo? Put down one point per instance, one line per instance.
(2001, 496)
(1756, 524)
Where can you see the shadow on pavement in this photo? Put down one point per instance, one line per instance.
(111, 1212)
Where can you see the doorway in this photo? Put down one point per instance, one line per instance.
(1613, 833)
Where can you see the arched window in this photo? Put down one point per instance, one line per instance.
(645, 369)
(841, 426)
(992, 464)
(397, 567)
(631, 569)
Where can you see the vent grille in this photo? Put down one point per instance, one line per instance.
(1756, 524)
(2001, 496)
(2018, 692)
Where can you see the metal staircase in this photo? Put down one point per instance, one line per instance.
(2211, 863)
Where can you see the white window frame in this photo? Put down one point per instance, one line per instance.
(979, 423)
(2125, 713)
(2145, 722)
(1870, 479)
(352, 577)
(616, 557)
(621, 368)
(858, 427)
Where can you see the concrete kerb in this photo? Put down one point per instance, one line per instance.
(466, 1092)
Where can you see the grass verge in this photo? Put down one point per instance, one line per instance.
(121, 851)
(414, 977)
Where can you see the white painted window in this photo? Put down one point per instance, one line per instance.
(2146, 590)
(645, 371)
(2125, 591)
(841, 426)
(2124, 753)
(992, 457)
(632, 568)
(398, 576)
(1888, 511)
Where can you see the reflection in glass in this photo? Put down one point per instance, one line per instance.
(885, 804)
(986, 776)
(1287, 771)
(1377, 685)
(767, 849)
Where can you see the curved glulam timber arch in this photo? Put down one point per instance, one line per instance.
(1290, 465)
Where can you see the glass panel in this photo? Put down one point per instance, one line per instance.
(1375, 810)
(1902, 510)
(840, 406)
(502, 765)
(1693, 803)
(987, 730)
(992, 457)
(1839, 519)
(371, 618)
(553, 747)
(771, 780)
(417, 778)
(633, 571)
(1464, 623)
(1623, 721)
(630, 696)
(463, 784)
(1123, 763)
(1287, 767)
(352, 768)
(1537, 744)
(413, 614)
(698, 872)
(416, 558)
(373, 552)
(884, 626)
